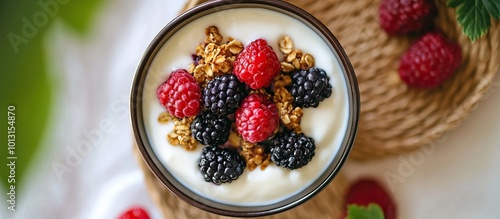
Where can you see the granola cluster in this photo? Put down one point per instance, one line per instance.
(213, 58)
(293, 58)
(164, 117)
(181, 135)
(290, 116)
(254, 155)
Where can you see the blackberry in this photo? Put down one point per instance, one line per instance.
(210, 129)
(309, 87)
(224, 94)
(196, 59)
(291, 150)
(220, 165)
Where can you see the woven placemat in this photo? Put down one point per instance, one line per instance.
(327, 204)
(394, 118)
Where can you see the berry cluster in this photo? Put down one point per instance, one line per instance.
(242, 101)
(433, 58)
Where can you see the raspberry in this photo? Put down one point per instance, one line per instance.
(309, 87)
(291, 150)
(224, 94)
(180, 94)
(430, 61)
(406, 16)
(134, 213)
(257, 64)
(220, 165)
(366, 191)
(257, 118)
(209, 129)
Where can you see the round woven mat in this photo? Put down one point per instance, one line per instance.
(327, 204)
(394, 118)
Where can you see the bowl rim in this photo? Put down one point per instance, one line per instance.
(155, 165)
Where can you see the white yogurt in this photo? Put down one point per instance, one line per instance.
(326, 124)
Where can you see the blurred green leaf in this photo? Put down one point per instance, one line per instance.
(80, 14)
(372, 211)
(24, 81)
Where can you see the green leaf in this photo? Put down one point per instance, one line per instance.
(493, 7)
(454, 3)
(373, 211)
(473, 17)
(80, 14)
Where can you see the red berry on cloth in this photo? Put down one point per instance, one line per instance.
(430, 61)
(257, 118)
(366, 191)
(180, 94)
(257, 64)
(406, 16)
(134, 213)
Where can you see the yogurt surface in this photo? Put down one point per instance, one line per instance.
(326, 124)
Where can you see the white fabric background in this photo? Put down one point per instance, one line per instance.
(458, 179)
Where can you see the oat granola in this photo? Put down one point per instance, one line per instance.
(290, 116)
(293, 58)
(214, 58)
(164, 117)
(254, 155)
(181, 135)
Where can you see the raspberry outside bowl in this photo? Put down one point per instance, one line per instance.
(258, 192)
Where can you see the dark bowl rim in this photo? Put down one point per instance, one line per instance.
(153, 162)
